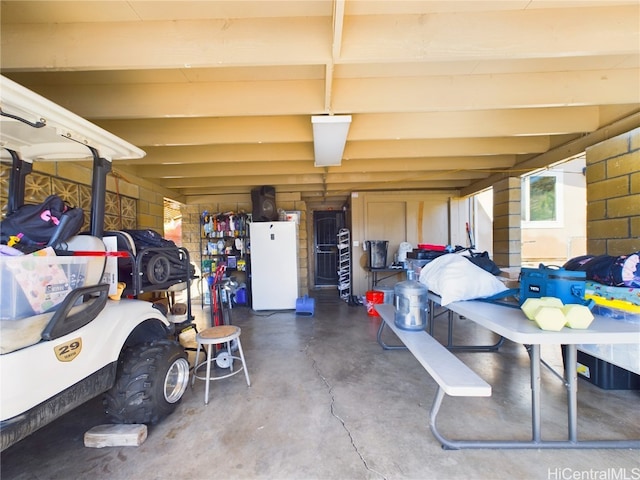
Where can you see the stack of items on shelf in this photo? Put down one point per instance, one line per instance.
(229, 224)
(223, 240)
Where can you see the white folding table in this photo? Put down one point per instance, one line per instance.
(511, 323)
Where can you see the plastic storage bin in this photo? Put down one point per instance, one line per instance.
(626, 356)
(34, 284)
(604, 374)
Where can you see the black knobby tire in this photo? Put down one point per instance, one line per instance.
(158, 269)
(152, 377)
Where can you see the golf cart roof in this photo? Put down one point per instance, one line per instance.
(38, 129)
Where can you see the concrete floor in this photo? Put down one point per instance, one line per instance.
(326, 402)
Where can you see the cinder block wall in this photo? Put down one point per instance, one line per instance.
(151, 210)
(507, 238)
(613, 195)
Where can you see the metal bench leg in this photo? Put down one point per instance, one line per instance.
(463, 348)
(384, 345)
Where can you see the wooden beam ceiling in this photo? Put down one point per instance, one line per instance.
(443, 95)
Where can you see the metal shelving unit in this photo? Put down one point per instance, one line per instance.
(219, 236)
(344, 263)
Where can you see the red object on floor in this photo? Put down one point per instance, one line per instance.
(373, 298)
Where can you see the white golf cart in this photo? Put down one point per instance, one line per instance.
(54, 359)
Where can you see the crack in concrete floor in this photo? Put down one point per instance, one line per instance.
(314, 364)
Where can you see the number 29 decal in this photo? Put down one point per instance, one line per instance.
(68, 351)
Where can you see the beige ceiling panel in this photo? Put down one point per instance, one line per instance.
(166, 75)
(185, 10)
(482, 92)
(215, 154)
(245, 180)
(227, 169)
(399, 164)
(404, 69)
(67, 11)
(533, 4)
(366, 7)
(472, 124)
(491, 35)
(444, 147)
(563, 64)
(120, 10)
(382, 177)
(363, 7)
(209, 131)
(439, 184)
(346, 186)
(176, 44)
(468, 67)
(189, 99)
(55, 78)
(255, 73)
(629, 61)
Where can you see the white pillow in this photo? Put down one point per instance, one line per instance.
(454, 278)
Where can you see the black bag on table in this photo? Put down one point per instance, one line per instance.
(482, 260)
(617, 271)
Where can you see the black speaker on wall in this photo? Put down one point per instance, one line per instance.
(264, 204)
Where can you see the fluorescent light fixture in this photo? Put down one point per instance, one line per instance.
(329, 138)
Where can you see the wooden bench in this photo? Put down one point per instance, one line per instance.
(454, 378)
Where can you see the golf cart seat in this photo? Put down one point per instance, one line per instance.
(49, 279)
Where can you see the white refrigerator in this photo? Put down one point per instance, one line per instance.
(274, 265)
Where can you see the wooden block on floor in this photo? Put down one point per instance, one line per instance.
(131, 435)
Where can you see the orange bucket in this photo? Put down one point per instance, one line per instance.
(372, 298)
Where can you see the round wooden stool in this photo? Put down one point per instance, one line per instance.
(213, 336)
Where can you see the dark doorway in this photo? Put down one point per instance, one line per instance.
(326, 224)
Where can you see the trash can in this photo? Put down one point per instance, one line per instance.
(377, 253)
(372, 298)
